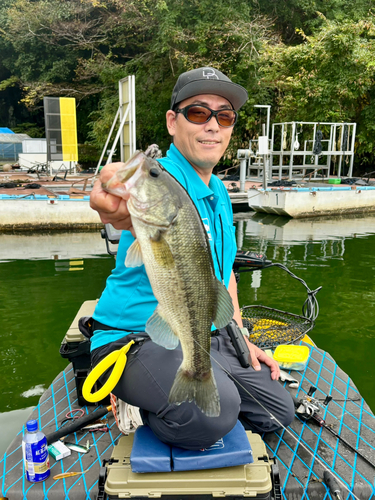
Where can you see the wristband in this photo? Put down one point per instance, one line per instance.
(245, 332)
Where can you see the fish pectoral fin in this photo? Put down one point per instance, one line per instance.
(134, 255)
(203, 392)
(162, 253)
(160, 331)
(225, 309)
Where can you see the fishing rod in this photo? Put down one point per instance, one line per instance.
(309, 407)
(288, 431)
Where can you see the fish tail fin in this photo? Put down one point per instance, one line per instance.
(203, 392)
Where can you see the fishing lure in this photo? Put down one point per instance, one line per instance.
(68, 474)
(78, 447)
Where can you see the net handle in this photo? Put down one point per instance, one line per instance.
(310, 308)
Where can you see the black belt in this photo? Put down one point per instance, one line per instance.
(96, 325)
(136, 336)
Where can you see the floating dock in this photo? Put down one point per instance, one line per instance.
(312, 201)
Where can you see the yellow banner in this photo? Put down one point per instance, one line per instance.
(68, 128)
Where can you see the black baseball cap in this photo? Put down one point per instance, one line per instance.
(208, 81)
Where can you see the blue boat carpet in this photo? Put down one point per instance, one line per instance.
(303, 452)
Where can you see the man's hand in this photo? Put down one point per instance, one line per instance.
(111, 209)
(258, 356)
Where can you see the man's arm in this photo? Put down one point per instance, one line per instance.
(111, 209)
(257, 355)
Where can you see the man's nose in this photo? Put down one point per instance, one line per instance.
(213, 124)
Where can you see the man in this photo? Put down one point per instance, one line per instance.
(201, 119)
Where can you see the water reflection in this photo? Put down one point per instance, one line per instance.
(272, 232)
(47, 246)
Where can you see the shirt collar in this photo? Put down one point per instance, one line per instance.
(200, 188)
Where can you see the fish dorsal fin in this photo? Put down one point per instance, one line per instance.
(225, 309)
(134, 255)
(160, 331)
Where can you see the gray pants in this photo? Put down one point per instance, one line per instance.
(148, 378)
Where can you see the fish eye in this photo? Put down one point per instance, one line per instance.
(154, 172)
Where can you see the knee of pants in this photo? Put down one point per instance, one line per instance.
(288, 413)
(282, 416)
(187, 427)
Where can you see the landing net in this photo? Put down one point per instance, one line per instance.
(270, 327)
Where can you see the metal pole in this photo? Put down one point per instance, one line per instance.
(133, 115)
(107, 141)
(118, 134)
(243, 165)
(291, 151)
(340, 160)
(352, 150)
(271, 151)
(265, 173)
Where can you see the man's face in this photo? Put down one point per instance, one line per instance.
(201, 144)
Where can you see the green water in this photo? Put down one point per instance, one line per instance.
(40, 298)
(338, 255)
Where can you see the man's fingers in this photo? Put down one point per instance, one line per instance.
(254, 358)
(111, 209)
(108, 171)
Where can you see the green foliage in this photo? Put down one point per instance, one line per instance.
(310, 60)
(329, 77)
(30, 129)
(307, 15)
(88, 155)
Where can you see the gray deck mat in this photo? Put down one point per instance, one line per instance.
(302, 453)
(308, 449)
(53, 406)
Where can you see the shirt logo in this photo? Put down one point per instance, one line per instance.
(207, 228)
(210, 74)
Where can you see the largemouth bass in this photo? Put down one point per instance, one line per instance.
(173, 245)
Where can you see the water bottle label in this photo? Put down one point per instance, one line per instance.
(36, 460)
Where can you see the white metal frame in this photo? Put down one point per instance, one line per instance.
(306, 152)
(127, 128)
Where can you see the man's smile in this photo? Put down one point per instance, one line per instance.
(209, 142)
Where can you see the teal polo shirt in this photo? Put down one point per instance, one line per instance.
(127, 300)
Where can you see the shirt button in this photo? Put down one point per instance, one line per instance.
(211, 198)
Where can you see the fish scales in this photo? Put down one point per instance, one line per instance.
(191, 307)
(173, 245)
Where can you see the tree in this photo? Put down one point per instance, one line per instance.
(329, 77)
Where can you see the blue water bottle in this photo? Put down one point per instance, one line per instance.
(35, 453)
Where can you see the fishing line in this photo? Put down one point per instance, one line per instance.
(298, 441)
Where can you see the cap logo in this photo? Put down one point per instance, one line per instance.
(210, 74)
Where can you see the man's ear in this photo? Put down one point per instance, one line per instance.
(171, 117)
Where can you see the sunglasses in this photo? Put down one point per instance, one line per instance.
(202, 114)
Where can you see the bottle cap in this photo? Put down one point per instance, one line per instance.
(32, 425)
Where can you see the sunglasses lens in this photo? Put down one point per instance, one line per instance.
(198, 114)
(201, 114)
(226, 118)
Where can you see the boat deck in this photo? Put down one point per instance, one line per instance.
(303, 451)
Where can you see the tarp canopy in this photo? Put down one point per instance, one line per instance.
(12, 138)
(6, 130)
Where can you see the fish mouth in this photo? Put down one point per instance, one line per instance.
(131, 177)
